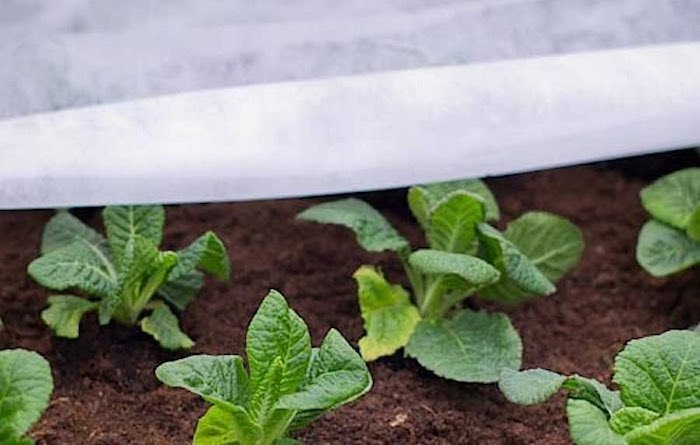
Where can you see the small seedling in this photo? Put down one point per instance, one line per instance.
(670, 242)
(125, 274)
(466, 256)
(658, 402)
(25, 389)
(288, 384)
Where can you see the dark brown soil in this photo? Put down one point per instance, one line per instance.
(106, 392)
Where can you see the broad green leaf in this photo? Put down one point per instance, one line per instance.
(220, 380)
(338, 375)
(231, 426)
(520, 278)
(266, 393)
(589, 425)
(673, 198)
(663, 250)
(207, 253)
(537, 385)
(123, 222)
(277, 332)
(628, 418)
(182, 290)
(163, 325)
(660, 372)
(389, 316)
(64, 229)
(78, 265)
(693, 229)
(679, 428)
(25, 388)
(65, 312)
(531, 386)
(470, 347)
(474, 271)
(374, 233)
(553, 244)
(453, 222)
(432, 193)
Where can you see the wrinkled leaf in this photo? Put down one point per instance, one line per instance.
(628, 418)
(387, 311)
(589, 425)
(65, 312)
(163, 325)
(123, 222)
(552, 244)
(430, 194)
(207, 253)
(673, 198)
(531, 386)
(220, 380)
(470, 347)
(453, 222)
(221, 426)
(277, 332)
(25, 388)
(78, 265)
(679, 428)
(337, 376)
(474, 271)
(182, 290)
(660, 372)
(520, 278)
(64, 229)
(663, 250)
(374, 233)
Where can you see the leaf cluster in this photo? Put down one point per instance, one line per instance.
(658, 402)
(125, 274)
(288, 384)
(670, 242)
(26, 385)
(465, 255)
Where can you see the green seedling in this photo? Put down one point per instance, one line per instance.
(124, 275)
(287, 385)
(25, 389)
(466, 256)
(670, 242)
(658, 402)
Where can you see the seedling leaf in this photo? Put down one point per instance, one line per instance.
(663, 250)
(552, 244)
(64, 229)
(386, 309)
(276, 332)
(661, 373)
(25, 388)
(207, 253)
(470, 347)
(64, 314)
(122, 223)
(337, 376)
(221, 426)
(588, 425)
(679, 428)
(673, 198)
(162, 324)
(432, 193)
(374, 233)
(453, 222)
(220, 380)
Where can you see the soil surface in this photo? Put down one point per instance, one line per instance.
(106, 392)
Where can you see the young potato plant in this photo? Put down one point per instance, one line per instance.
(658, 402)
(466, 255)
(124, 275)
(26, 385)
(670, 242)
(288, 384)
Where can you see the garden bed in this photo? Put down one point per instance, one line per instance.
(106, 392)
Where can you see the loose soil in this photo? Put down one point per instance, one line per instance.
(106, 392)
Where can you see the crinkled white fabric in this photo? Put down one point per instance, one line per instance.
(356, 133)
(59, 54)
